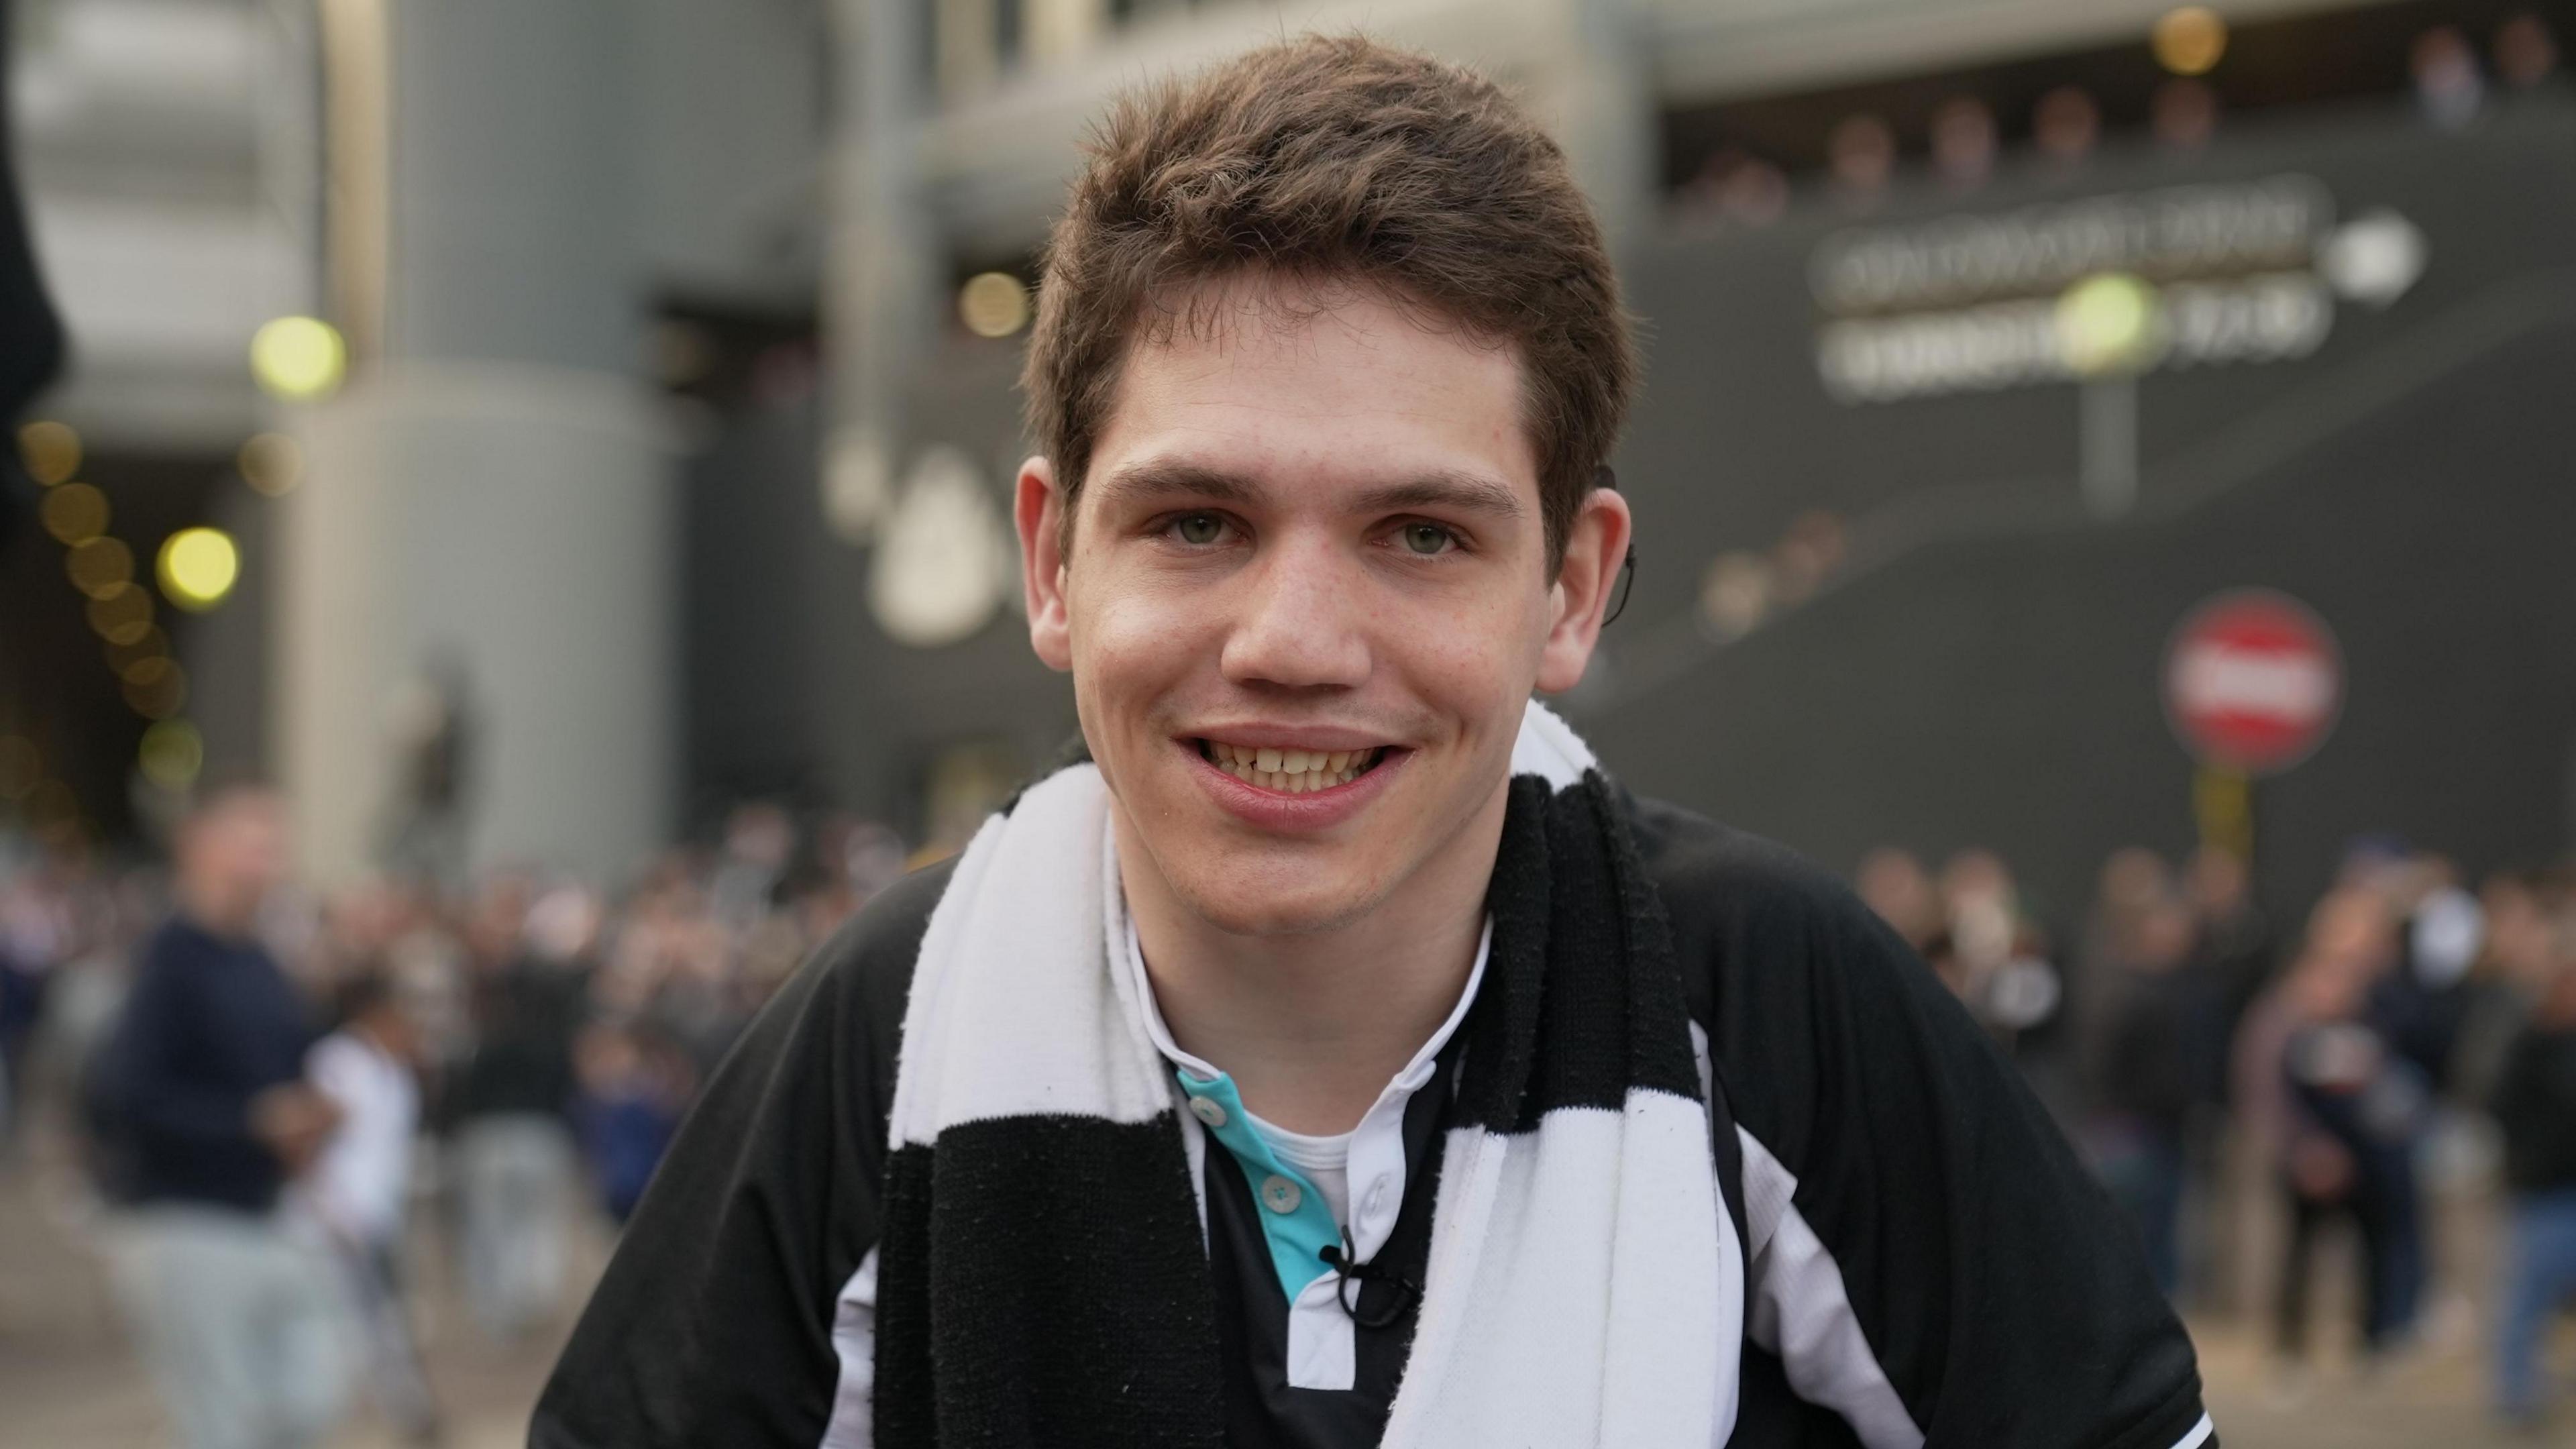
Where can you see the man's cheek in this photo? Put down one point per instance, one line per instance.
(1150, 635)
(1475, 675)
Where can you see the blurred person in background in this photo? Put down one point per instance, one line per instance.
(1861, 157)
(2535, 1106)
(2131, 885)
(204, 1093)
(37, 935)
(2448, 88)
(2232, 953)
(1942, 955)
(675, 966)
(2065, 125)
(2336, 1108)
(495, 920)
(1963, 141)
(759, 841)
(1734, 188)
(359, 1191)
(434, 734)
(1894, 883)
(88, 923)
(2416, 1008)
(636, 1084)
(2428, 1005)
(2526, 52)
(2232, 962)
(511, 1097)
(2004, 975)
(2516, 956)
(2440, 931)
(853, 859)
(2138, 1078)
(2183, 113)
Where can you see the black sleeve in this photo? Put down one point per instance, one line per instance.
(2003, 1296)
(713, 1324)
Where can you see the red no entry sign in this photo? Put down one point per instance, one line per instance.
(2253, 681)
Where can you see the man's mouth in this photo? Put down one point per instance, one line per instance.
(1291, 772)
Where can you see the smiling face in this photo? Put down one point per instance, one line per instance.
(1305, 598)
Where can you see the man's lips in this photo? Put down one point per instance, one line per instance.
(1313, 798)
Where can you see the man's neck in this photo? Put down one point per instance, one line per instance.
(1312, 1026)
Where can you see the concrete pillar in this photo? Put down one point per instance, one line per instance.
(493, 494)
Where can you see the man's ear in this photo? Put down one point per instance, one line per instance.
(1039, 510)
(1595, 548)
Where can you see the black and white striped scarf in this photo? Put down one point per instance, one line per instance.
(1043, 1277)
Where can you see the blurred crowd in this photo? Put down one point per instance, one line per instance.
(2412, 1041)
(2453, 78)
(280, 1094)
(275, 1094)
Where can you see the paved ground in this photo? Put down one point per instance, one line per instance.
(68, 1381)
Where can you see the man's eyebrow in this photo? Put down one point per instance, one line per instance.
(1155, 478)
(1444, 488)
(1467, 492)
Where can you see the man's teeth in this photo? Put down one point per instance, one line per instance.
(1293, 772)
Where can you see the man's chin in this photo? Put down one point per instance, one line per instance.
(1231, 902)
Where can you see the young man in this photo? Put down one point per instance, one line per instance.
(1336, 1057)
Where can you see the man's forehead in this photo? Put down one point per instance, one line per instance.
(1338, 383)
(1248, 303)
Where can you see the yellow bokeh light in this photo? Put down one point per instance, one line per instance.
(99, 567)
(122, 616)
(122, 657)
(298, 359)
(2190, 40)
(993, 304)
(271, 463)
(155, 689)
(20, 767)
(75, 512)
(2110, 322)
(198, 567)
(50, 450)
(172, 754)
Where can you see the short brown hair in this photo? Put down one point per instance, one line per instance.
(1336, 159)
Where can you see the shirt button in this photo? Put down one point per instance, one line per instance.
(1206, 1110)
(1377, 1196)
(1280, 1195)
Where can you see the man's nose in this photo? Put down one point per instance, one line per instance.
(1301, 620)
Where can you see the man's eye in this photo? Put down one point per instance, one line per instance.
(1198, 529)
(1428, 539)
